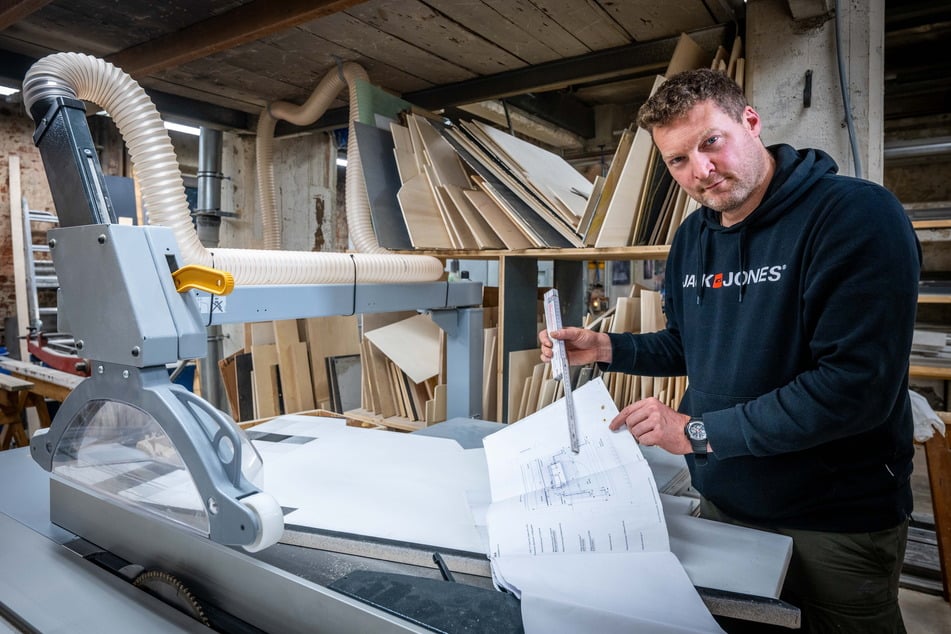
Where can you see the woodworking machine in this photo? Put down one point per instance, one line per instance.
(156, 486)
(147, 470)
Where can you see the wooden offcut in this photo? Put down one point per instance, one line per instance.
(266, 399)
(938, 454)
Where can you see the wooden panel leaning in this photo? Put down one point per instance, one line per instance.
(938, 454)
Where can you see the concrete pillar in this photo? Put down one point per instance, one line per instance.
(781, 49)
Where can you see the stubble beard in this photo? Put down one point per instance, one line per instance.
(729, 200)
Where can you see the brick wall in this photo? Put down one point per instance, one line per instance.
(16, 139)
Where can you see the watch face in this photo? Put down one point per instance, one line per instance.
(696, 430)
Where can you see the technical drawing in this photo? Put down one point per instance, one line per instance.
(567, 479)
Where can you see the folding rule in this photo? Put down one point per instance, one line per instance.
(559, 362)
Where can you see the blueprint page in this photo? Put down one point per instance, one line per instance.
(548, 500)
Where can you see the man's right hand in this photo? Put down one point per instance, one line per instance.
(583, 346)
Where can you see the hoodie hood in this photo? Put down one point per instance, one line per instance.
(797, 171)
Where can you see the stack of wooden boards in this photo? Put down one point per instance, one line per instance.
(435, 185)
(637, 202)
(282, 367)
(467, 187)
(531, 386)
(638, 314)
(403, 380)
(931, 345)
(392, 376)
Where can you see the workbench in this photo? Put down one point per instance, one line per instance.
(23, 386)
(288, 573)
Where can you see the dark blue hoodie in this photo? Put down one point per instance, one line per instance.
(794, 328)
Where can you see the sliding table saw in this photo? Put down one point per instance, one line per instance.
(149, 485)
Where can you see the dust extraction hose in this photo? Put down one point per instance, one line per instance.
(91, 79)
(358, 206)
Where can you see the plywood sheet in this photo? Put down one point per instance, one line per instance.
(585, 221)
(735, 53)
(548, 171)
(650, 209)
(619, 217)
(261, 333)
(534, 386)
(489, 374)
(680, 205)
(687, 56)
(446, 164)
(229, 378)
(459, 233)
(17, 231)
(521, 365)
(503, 226)
(652, 312)
(412, 344)
(515, 202)
(537, 205)
(626, 316)
(483, 236)
(548, 393)
(439, 404)
(264, 359)
(592, 227)
(297, 387)
(421, 214)
(344, 376)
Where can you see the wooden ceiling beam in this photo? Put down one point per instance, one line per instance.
(244, 24)
(638, 59)
(13, 12)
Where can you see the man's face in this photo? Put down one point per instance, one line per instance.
(718, 161)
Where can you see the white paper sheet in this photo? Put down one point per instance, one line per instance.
(608, 594)
(367, 482)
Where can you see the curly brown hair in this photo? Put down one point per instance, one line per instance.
(683, 91)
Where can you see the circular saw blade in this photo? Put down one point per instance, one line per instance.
(170, 590)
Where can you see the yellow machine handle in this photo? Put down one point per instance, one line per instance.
(202, 278)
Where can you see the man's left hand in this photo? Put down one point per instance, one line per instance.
(653, 423)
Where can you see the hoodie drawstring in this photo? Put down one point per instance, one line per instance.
(700, 262)
(742, 259)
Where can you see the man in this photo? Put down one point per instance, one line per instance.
(790, 299)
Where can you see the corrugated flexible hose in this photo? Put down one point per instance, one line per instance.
(91, 79)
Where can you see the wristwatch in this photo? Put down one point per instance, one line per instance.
(697, 435)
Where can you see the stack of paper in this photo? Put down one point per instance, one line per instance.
(581, 538)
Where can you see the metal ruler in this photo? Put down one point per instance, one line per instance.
(559, 363)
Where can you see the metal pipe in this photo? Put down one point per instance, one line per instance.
(917, 147)
(208, 223)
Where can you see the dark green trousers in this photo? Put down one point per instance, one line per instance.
(841, 582)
